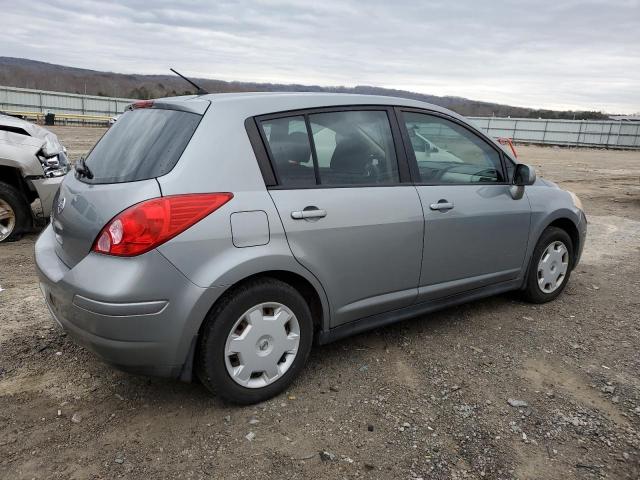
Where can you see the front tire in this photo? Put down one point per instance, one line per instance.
(15, 217)
(550, 266)
(255, 341)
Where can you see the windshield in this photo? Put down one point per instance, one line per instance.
(142, 144)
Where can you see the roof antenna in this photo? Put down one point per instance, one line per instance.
(199, 90)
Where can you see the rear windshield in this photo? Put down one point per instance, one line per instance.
(142, 144)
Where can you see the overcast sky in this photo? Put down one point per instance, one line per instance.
(565, 54)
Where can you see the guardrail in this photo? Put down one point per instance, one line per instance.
(86, 108)
(62, 118)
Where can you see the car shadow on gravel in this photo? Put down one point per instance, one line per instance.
(34, 362)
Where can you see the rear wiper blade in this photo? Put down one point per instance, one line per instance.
(83, 170)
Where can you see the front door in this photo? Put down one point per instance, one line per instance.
(347, 216)
(476, 233)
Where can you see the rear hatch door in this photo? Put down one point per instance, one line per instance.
(143, 144)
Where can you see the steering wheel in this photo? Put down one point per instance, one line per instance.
(441, 173)
(485, 173)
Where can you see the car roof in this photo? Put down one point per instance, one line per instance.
(260, 103)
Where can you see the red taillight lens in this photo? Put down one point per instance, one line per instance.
(142, 104)
(146, 225)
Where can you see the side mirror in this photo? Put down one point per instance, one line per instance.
(524, 175)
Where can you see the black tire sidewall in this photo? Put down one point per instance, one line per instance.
(532, 291)
(211, 365)
(20, 207)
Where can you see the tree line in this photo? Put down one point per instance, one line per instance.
(23, 73)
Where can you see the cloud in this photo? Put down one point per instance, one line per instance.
(552, 54)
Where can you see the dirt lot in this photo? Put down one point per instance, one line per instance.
(425, 398)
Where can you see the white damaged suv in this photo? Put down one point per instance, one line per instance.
(32, 166)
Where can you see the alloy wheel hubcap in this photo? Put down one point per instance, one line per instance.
(552, 267)
(262, 345)
(7, 220)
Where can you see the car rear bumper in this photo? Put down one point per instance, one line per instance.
(139, 314)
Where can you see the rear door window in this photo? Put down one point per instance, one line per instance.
(142, 144)
(290, 150)
(349, 148)
(354, 148)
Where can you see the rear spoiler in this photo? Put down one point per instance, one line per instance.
(191, 104)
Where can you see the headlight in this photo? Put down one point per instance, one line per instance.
(576, 201)
(54, 166)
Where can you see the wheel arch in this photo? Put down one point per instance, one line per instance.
(13, 176)
(297, 281)
(316, 300)
(562, 219)
(568, 225)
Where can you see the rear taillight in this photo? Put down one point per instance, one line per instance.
(146, 225)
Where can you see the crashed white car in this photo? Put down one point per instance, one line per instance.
(32, 165)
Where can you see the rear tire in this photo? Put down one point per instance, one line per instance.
(15, 213)
(546, 279)
(278, 317)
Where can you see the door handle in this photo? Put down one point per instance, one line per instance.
(309, 212)
(442, 205)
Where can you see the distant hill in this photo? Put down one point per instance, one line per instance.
(25, 73)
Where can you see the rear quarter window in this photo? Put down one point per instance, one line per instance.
(142, 144)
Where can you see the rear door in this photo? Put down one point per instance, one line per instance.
(476, 233)
(349, 214)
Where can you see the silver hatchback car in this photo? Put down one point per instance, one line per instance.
(221, 235)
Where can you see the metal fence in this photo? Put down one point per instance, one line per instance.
(89, 109)
(577, 133)
(23, 100)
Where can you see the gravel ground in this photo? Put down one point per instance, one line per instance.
(493, 389)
